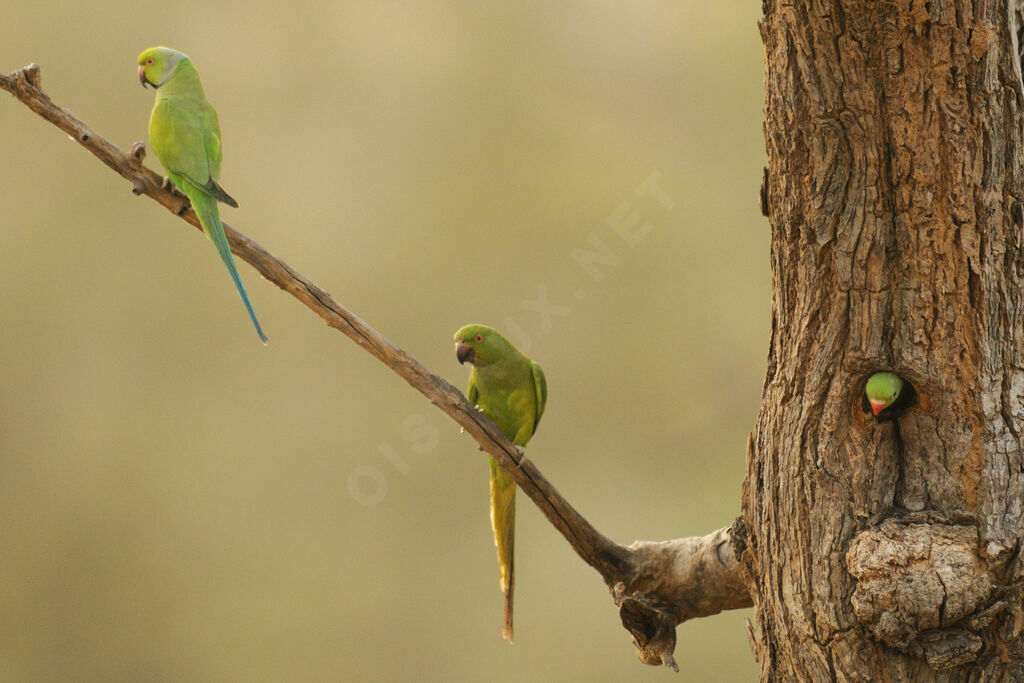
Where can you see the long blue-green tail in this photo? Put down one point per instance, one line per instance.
(206, 208)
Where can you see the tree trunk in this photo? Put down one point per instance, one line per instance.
(889, 550)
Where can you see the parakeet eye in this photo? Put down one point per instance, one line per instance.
(149, 61)
(479, 338)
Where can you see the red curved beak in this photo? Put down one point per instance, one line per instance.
(877, 405)
(142, 76)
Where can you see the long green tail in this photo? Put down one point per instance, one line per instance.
(206, 208)
(503, 521)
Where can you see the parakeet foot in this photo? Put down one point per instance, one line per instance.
(462, 430)
(522, 456)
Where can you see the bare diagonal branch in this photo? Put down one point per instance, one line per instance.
(658, 583)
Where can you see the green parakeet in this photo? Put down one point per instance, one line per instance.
(185, 134)
(511, 391)
(883, 389)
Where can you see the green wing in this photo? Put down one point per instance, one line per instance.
(186, 139)
(211, 142)
(540, 386)
(472, 393)
(212, 189)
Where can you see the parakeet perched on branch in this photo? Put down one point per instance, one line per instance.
(883, 389)
(511, 391)
(185, 134)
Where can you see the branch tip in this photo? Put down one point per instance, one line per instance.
(137, 154)
(33, 75)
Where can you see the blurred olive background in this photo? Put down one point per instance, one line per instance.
(179, 502)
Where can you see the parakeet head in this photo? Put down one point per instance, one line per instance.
(481, 345)
(157, 64)
(883, 389)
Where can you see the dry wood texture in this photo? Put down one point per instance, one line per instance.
(890, 550)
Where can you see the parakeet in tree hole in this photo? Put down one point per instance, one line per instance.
(883, 389)
(511, 391)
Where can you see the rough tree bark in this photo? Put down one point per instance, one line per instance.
(890, 550)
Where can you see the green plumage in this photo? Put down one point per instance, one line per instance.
(883, 389)
(185, 135)
(511, 391)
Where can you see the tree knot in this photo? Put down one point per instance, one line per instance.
(28, 76)
(653, 628)
(918, 585)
